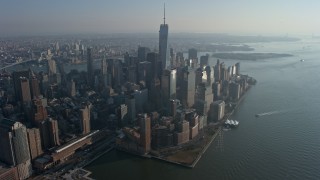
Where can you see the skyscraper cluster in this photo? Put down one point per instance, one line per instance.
(191, 93)
(154, 100)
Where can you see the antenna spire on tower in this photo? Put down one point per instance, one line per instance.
(164, 13)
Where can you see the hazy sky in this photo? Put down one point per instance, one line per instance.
(108, 16)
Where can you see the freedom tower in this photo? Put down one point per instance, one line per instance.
(163, 43)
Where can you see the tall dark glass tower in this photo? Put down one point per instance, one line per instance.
(90, 68)
(163, 44)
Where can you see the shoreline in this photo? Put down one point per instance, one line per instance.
(204, 148)
(250, 56)
(97, 157)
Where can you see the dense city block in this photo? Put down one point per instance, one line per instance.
(56, 115)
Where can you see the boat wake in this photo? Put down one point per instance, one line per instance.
(268, 113)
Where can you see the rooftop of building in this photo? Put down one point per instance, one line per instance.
(7, 123)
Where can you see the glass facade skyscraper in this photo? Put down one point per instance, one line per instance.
(163, 44)
(14, 149)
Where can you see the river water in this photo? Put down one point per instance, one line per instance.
(282, 144)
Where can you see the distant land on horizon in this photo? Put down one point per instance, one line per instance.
(202, 37)
(249, 56)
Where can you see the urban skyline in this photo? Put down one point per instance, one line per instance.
(246, 17)
(142, 103)
(120, 107)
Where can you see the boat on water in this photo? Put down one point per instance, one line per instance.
(266, 113)
(231, 123)
(301, 60)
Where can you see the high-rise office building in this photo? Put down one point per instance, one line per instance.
(209, 75)
(145, 132)
(216, 89)
(199, 74)
(237, 68)
(52, 69)
(193, 54)
(161, 137)
(85, 119)
(25, 90)
(204, 60)
(155, 94)
(132, 74)
(224, 73)
(43, 83)
(173, 59)
(104, 66)
(168, 85)
(130, 67)
(234, 90)
(49, 133)
(90, 70)
(39, 111)
(142, 53)
(104, 72)
(57, 47)
(225, 88)
(203, 98)
(34, 140)
(35, 90)
(173, 105)
(187, 89)
(217, 110)
(17, 75)
(107, 72)
(153, 58)
(180, 59)
(217, 71)
(182, 134)
(122, 112)
(116, 72)
(131, 104)
(141, 98)
(144, 72)
(163, 44)
(14, 149)
(71, 88)
(233, 70)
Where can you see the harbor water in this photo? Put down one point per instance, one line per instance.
(283, 143)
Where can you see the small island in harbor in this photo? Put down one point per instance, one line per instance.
(249, 56)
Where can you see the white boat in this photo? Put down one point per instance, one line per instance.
(231, 123)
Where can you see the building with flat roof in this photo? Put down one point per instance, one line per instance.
(217, 110)
(192, 53)
(168, 85)
(34, 140)
(49, 133)
(145, 132)
(90, 69)
(187, 89)
(14, 149)
(8, 173)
